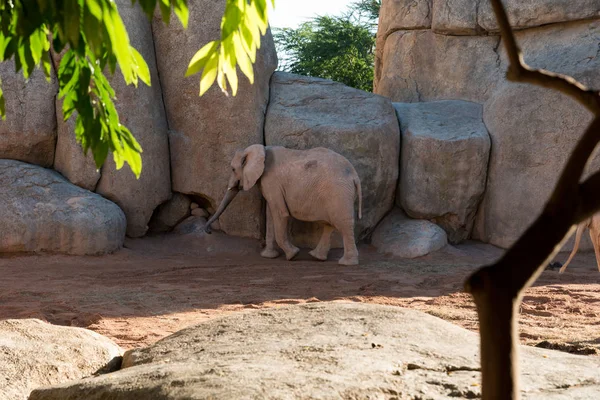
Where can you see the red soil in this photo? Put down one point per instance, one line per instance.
(157, 286)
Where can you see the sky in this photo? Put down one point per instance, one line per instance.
(291, 13)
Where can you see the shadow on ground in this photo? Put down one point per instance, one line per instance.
(159, 285)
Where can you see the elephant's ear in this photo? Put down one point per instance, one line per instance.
(254, 165)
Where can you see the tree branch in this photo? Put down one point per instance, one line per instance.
(497, 289)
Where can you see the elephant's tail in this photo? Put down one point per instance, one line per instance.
(359, 194)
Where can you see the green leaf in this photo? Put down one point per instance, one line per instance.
(148, 6)
(165, 10)
(209, 74)
(201, 57)
(120, 43)
(242, 57)
(229, 60)
(37, 44)
(95, 8)
(142, 68)
(71, 21)
(46, 64)
(181, 10)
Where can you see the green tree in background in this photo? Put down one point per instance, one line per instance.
(95, 40)
(340, 48)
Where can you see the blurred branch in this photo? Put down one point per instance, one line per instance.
(497, 289)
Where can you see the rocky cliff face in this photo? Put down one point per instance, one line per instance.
(431, 50)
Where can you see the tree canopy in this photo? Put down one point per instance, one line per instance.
(340, 48)
(95, 39)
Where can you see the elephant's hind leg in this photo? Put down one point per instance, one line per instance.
(269, 251)
(350, 251)
(320, 252)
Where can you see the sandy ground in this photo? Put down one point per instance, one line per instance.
(159, 285)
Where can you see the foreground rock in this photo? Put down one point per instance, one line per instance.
(42, 211)
(29, 131)
(34, 353)
(307, 112)
(207, 130)
(534, 130)
(327, 351)
(407, 238)
(444, 160)
(142, 110)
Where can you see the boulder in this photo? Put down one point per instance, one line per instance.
(34, 353)
(531, 13)
(170, 213)
(29, 132)
(396, 15)
(325, 351)
(407, 238)
(306, 112)
(534, 130)
(455, 17)
(444, 161)
(42, 211)
(142, 110)
(79, 168)
(424, 66)
(207, 130)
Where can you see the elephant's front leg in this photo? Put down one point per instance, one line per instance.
(270, 251)
(320, 252)
(280, 223)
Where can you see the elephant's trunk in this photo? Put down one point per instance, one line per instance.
(229, 196)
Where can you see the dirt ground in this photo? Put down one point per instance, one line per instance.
(159, 285)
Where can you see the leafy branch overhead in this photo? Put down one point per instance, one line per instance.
(94, 38)
(242, 25)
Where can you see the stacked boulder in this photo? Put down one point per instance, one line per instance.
(430, 50)
(307, 112)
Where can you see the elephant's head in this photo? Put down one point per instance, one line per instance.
(247, 166)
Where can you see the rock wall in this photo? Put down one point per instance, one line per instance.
(206, 131)
(431, 50)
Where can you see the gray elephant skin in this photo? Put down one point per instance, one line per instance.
(315, 185)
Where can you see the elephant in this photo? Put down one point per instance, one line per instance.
(316, 185)
(593, 224)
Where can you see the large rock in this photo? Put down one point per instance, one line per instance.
(79, 168)
(531, 13)
(42, 211)
(407, 238)
(29, 131)
(534, 130)
(34, 353)
(444, 161)
(142, 110)
(396, 15)
(207, 130)
(423, 66)
(309, 112)
(456, 17)
(325, 351)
